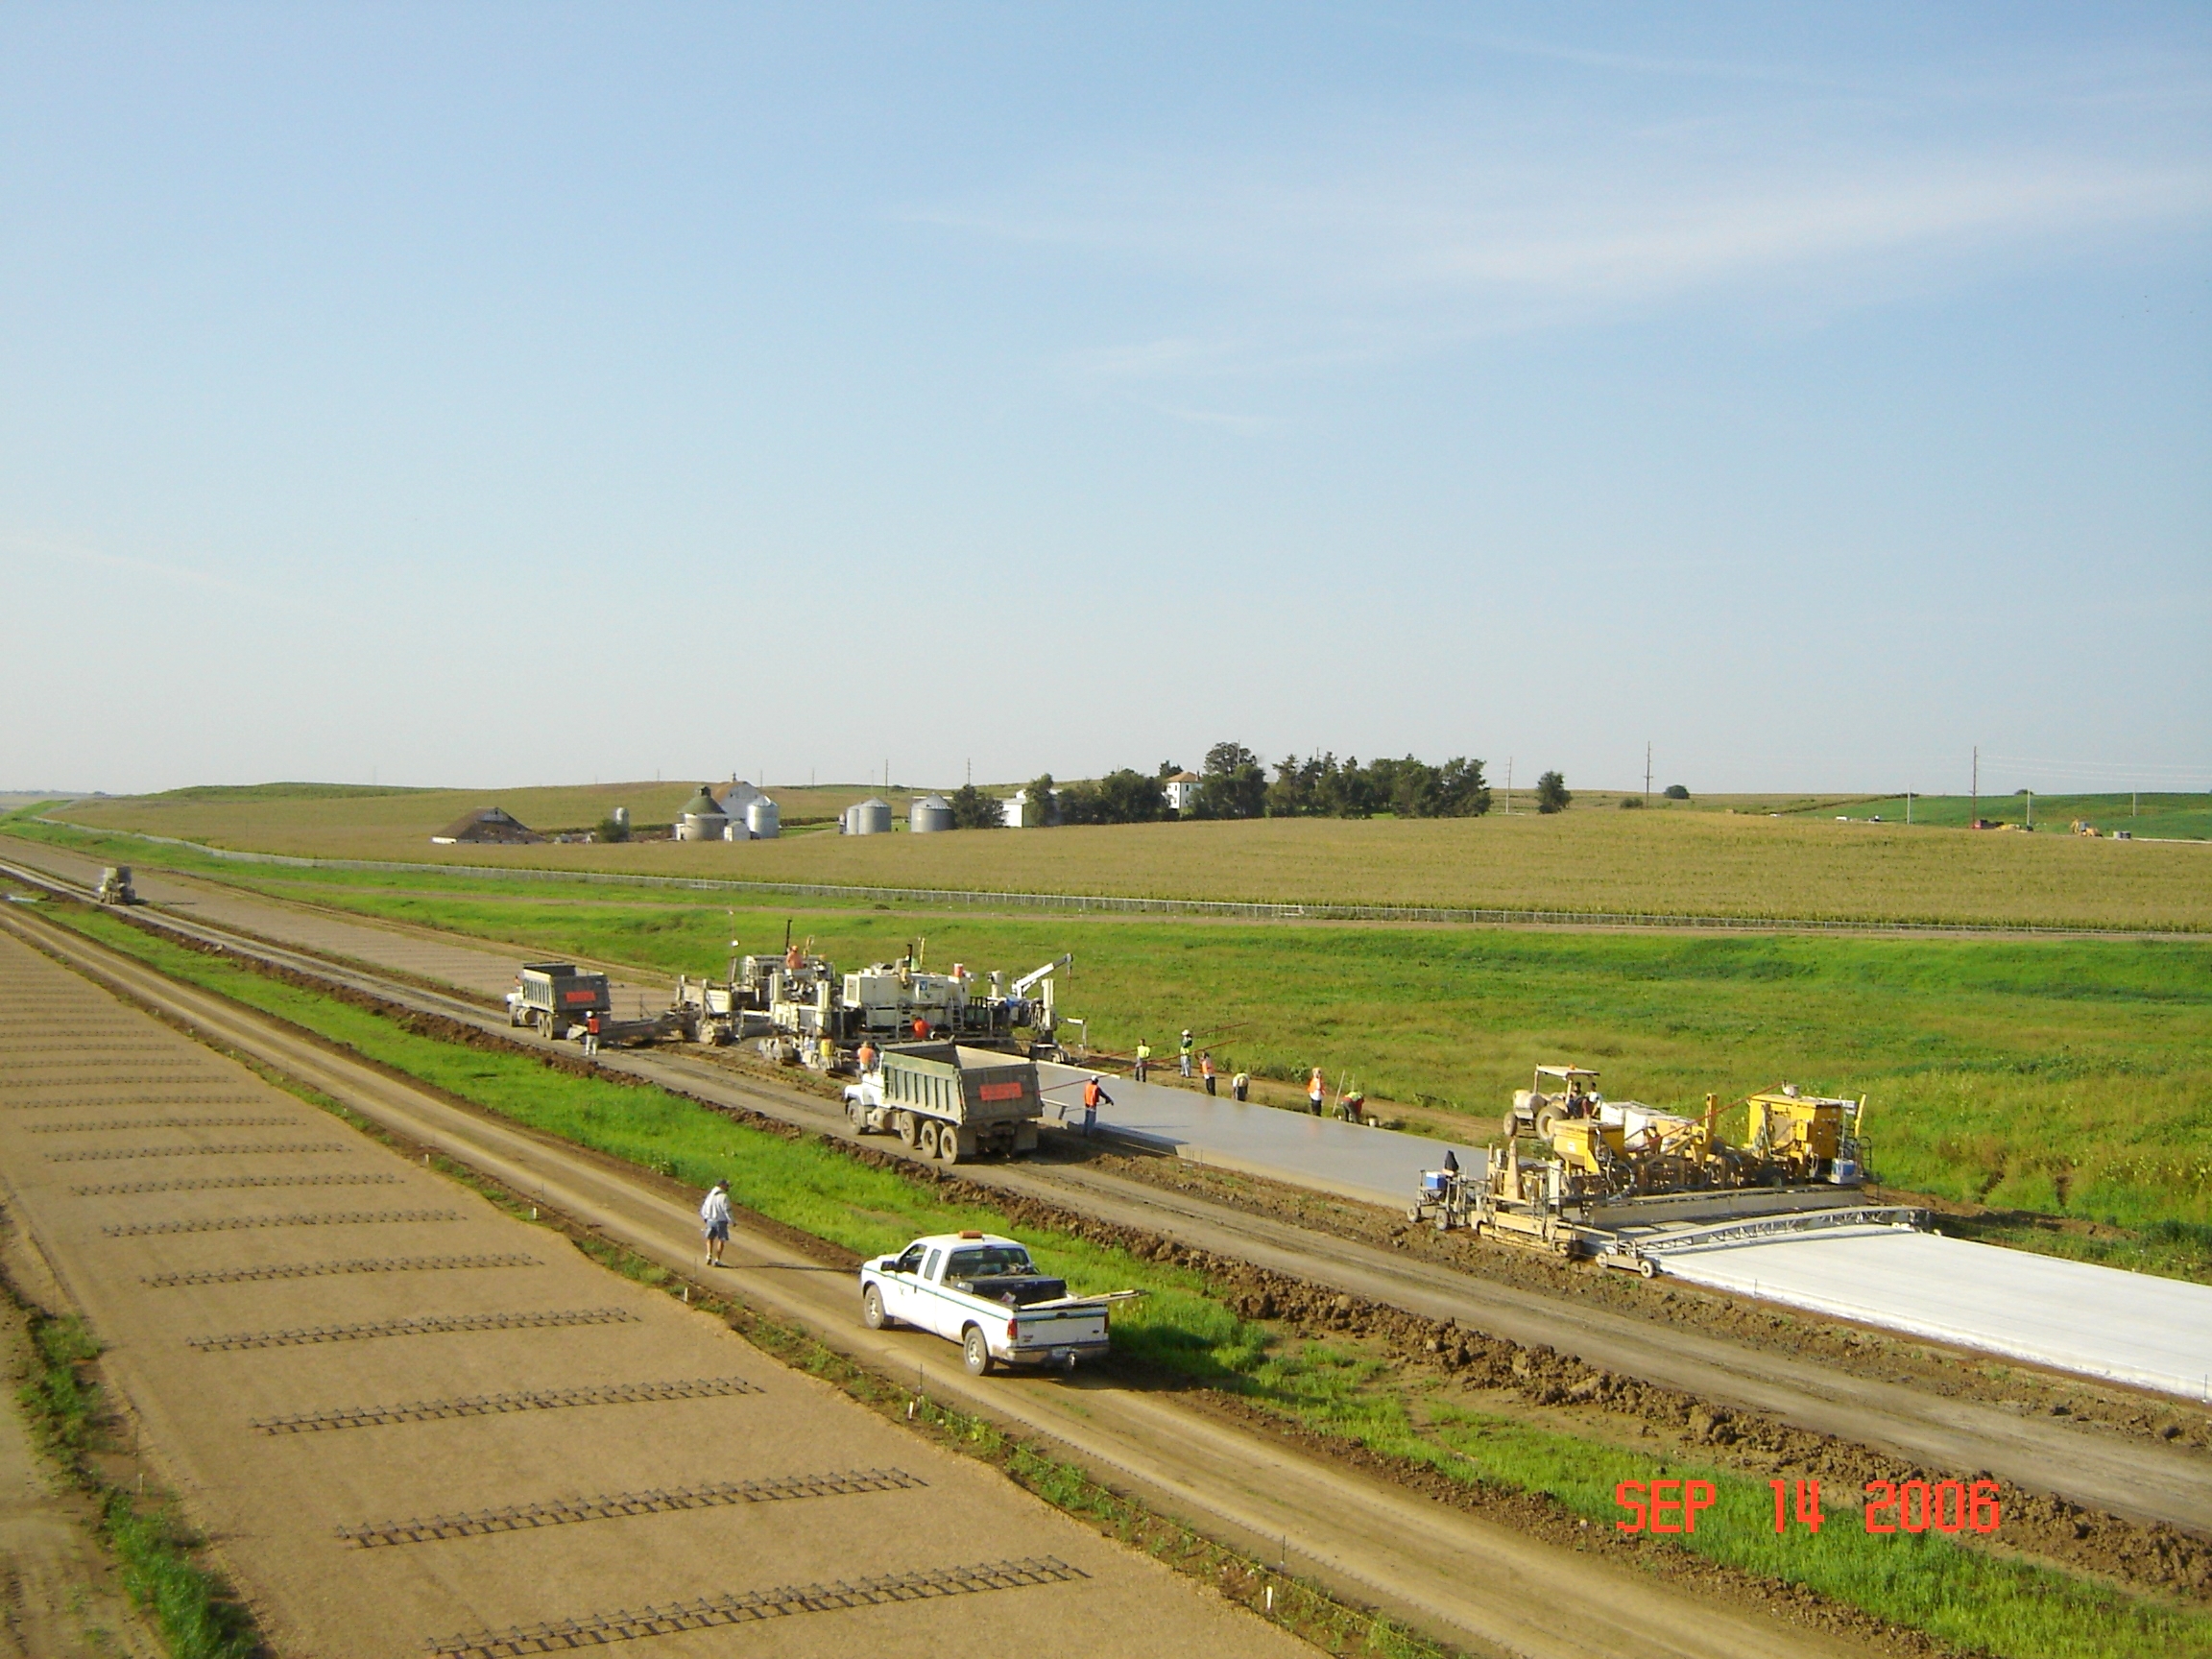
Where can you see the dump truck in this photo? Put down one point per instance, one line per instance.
(115, 886)
(554, 998)
(950, 1101)
(982, 1291)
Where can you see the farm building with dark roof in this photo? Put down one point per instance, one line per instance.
(489, 824)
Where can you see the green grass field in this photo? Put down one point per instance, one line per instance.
(1674, 861)
(2166, 816)
(2067, 1078)
(1980, 1601)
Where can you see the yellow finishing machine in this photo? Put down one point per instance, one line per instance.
(1618, 1178)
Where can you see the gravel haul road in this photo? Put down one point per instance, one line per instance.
(1471, 1581)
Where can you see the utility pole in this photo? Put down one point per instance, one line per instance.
(1646, 772)
(2031, 794)
(1508, 785)
(1974, 813)
(1907, 806)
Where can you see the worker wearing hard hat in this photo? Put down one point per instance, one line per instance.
(1144, 1059)
(1094, 1096)
(1183, 1055)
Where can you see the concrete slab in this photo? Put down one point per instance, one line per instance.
(1376, 1165)
(2095, 1321)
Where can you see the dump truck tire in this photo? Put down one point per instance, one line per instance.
(904, 1123)
(857, 1115)
(926, 1140)
(974, 1352)
(949, 1144)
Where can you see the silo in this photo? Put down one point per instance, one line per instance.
(871, 817)
(763, 818)
(702, 818)
(930, 813)
(622, 817)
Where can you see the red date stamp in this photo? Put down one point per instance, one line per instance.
(1947, 1507)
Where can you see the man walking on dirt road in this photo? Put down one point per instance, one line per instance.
(714, 1218)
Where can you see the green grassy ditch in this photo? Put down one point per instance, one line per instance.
(1966, 1599)
(158, 1557)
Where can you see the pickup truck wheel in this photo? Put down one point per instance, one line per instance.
(976, 1352)
(925, 1142)
(872, 1312)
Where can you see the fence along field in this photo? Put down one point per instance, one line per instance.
(1658, 861)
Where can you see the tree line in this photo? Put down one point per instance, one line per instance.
(1235, 784)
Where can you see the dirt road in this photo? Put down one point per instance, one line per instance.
(1473, 1582)
(640, 1452)
(2143, 1480)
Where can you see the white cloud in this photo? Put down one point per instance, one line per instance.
(1401, 233)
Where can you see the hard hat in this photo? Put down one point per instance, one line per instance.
(1185, 1030)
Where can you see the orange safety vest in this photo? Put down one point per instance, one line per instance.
(1091, 1092)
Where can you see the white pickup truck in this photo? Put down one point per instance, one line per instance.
(983, 1292)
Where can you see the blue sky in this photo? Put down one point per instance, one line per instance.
(497, 395)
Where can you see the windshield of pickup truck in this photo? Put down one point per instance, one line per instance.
(988, 1262)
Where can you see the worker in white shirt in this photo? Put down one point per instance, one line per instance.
(714, 1218)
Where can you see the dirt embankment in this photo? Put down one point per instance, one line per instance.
(2158, 1557)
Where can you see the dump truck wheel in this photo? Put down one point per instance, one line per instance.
(872, 1312)
(857, 1115)
(949, 1144)
(926, 1140)
(904, 1123)
(976, 1352)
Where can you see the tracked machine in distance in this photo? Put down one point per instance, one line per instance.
(1624, 1184)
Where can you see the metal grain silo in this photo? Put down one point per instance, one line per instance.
(871, 817)
(763, 818)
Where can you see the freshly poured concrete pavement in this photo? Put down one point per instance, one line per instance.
(2095, 1321)
(1376, 1165)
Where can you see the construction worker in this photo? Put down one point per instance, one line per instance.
(1183, 1055)
(1240, 1085)
(714, 1220)
(1206, 1069)
(1144, 1058)
(1315, 1088)
(920, 1028)
(867, 1054)
(826, 1054)
(792, 960)
(1093, 1097)
(591, 1036)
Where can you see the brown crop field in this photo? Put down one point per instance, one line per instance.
(1698, 861)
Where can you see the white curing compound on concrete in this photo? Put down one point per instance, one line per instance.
(1376, 1166)
(2095, 1321)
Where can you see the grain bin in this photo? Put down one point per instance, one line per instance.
(930, 815)
(702, 818)
(871, 817)
(763, 818)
